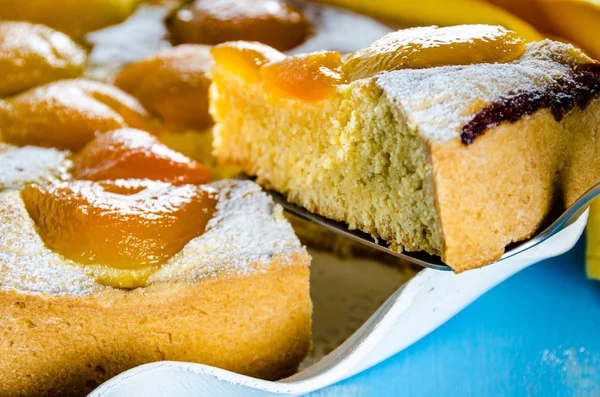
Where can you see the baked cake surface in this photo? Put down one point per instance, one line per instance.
(236, 297)
(32, 164)
(458, 161)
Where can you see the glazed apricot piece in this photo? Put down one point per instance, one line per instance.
(431, 46)
(245, 58)
(122, 224)
(32, 55)
(68, 114)
(310, 77)
(74, 18)
(173, 85)
(136, 154)
(272, 22)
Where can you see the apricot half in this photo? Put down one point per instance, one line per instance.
(310, 77)
(173, 84)
(136, 154)
(272, 22)
(245, 58)
(31, 55)
(67, 114)
(128, 224)
(431, 46)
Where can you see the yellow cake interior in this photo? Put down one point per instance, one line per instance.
(348, 156)
(390, 153)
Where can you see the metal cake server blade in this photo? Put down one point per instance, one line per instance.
(568, 217)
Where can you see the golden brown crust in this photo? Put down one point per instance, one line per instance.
(501, 188)
(257, 325)
(581, 168)
(497, 190)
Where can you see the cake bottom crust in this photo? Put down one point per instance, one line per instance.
(66, 345)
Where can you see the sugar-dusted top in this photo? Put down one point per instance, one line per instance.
(246, 233)
(439, 102)
(31, 164)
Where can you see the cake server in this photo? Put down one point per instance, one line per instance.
(567, 218)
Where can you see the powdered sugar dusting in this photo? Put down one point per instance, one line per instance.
(31, 164)
(246, 233)
(26, 264)
(574, 367)
(438, 102)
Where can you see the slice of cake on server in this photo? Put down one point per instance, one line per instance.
(455, 141)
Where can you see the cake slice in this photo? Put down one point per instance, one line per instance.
(457, 160)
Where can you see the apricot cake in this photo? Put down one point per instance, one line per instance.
(115, 249)
(235, 297)
(124, 254)
(455, 141)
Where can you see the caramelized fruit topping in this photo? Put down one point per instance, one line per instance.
(272, 22)
(245, 58)
(135, 154)
(310, 77)
(126, 224)
(31, 55)
(67, 114)
(173, 84)
(431, 46)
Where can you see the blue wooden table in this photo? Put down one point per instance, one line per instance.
(536, 334)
